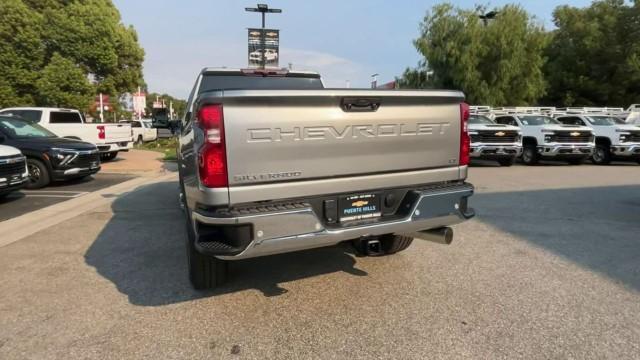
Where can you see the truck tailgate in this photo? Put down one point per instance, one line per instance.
(279, 135)
(117, 133)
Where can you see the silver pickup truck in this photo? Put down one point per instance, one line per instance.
(271, 162)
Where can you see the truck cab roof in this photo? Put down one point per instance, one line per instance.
(39, 108)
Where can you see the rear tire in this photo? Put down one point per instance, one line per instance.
(38, 174)
(506, 162)
(392, 244)
(108, 156)
(205, 272)
(530, 155)
(601, 155)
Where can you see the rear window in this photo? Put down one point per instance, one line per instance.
(30, 115)
(244, 82)
(64, 118)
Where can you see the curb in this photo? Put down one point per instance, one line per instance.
(28, 224)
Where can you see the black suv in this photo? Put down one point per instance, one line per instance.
(49, 157)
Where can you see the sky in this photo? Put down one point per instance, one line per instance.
(346, 40)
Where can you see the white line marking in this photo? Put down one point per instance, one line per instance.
(53, 192)
(55, 196)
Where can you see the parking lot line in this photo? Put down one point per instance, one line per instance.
(54, 194)
(52, 191)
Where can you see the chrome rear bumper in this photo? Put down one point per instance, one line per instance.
(301, 228)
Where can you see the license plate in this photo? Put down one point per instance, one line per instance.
(359, 207)
(576, 151)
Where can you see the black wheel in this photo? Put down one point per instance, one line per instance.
(38, 174)
(392, 244)
(601, 155)
(577, 161)
(205, 272)
(506, 161)
(108, 156)
(139, 140)
(530, 155)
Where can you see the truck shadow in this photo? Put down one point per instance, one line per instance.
(11, 197)
(141, 250)
(597, 228)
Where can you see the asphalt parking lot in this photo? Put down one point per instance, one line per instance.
(26, 201)
(548, 269)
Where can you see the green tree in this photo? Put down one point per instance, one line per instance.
(495, 63)
(594, 55)
(21, 53)
(418, 78)
(179, 105)
(89, 34)
(63, 84)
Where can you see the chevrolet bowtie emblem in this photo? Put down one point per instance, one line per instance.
(501, 133)
(575, 134)
(360, 203)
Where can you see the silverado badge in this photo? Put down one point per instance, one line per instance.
(501, 133)
(360, 203)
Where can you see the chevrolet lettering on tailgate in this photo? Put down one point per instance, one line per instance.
(348, 131)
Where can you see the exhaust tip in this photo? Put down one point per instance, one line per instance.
(440, 236)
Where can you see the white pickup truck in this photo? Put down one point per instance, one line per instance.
(109, 138)
(141, 130)
(546, 138)
(491, 141)
(615, 139)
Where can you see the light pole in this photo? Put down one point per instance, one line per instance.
(263, 9)
(374, 80)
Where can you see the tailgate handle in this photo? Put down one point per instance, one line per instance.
(360, 104)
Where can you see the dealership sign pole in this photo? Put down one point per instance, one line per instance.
(263, 9)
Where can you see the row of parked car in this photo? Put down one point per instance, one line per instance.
(41, 145)
(574, 135)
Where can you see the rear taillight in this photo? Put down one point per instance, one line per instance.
(212, 157)
(465, 141)
(101, 132)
